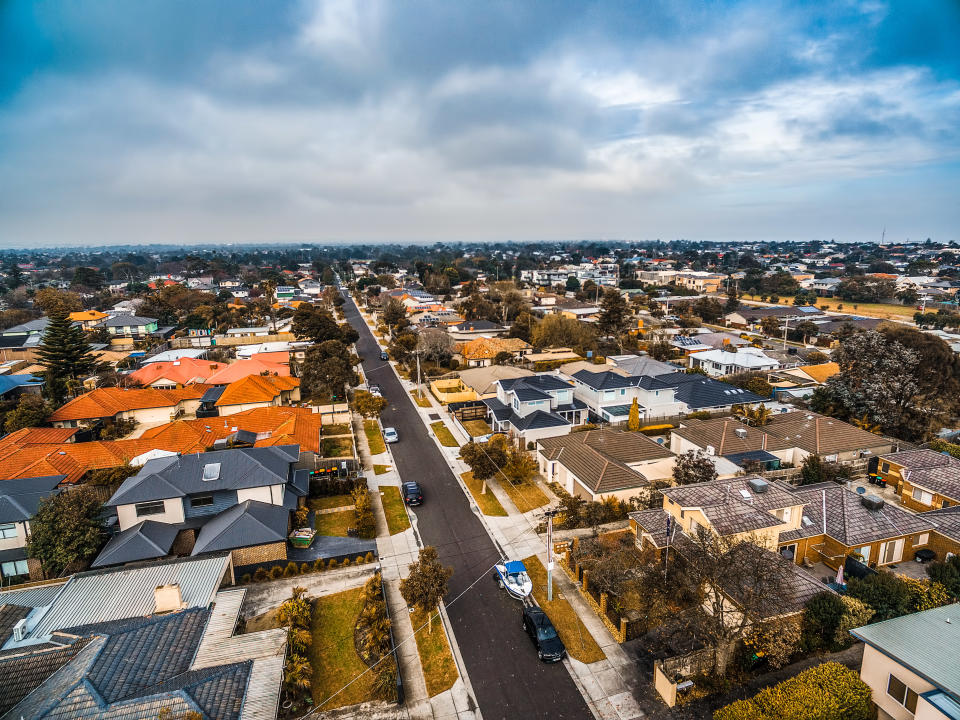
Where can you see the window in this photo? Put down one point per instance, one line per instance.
(201, 501)
(921, 539)
(922, 496)
(885, 467)
(830, 458)
(149, 508)
(8, 530)
(898, 690)
(17, 567)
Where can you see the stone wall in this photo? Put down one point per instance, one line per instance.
(260, 554)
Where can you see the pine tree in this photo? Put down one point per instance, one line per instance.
(65, 355)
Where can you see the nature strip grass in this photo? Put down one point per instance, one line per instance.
(439, 669)
(332, 655)
(577, 639)
(423, 401)
(335, 524)
(526, 496)
(374, 438)
(487, 502)
(443, 434)
(394, 509)
(381, 469)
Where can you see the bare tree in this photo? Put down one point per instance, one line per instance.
(435, 344)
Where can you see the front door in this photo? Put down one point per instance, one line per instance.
(891, 552)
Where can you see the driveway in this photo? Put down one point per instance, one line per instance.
(507, 678)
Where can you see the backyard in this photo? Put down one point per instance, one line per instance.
(332, 655)
(439, 669)
(374, 439)
(487, 502)
(443, 434)
(394, 509)
(335, 523)
(477, 428)
(338, 446)
(337, 429)
(331, 501)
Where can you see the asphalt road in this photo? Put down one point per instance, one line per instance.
(508, 679)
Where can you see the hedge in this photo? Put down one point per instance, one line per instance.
(828, 691)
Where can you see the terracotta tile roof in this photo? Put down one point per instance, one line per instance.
(624, 447)
(822, 435)
(256, 389)
(37, 436)
(107, 402)
(487, 348)
(254, 366)
(182, 372)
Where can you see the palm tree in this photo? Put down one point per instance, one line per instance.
(865, 423)
(299, 672)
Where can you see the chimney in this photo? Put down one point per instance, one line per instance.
(167, 598)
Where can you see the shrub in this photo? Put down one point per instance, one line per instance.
(947, 573)
(260, 574)
(291, 569)
(656, 429)
(363, 509)
(305, 568)
(245, 578)
(698, 415)
(885, 592)
(924, 594)
(345, 563)
(359, 560)
(855, 614)
(369, 558)
(333, 564)
(821, 618)
(319, 565)
(276, 572)
(828, 691)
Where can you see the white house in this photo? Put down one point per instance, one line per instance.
(535, 407)
(718, 363)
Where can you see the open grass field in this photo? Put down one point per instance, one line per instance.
(394, 509)
(374, 438)
(443, 434)
(333, 501)
(335, 523)
(439, 669)
(526, 496)
(335, 661)
(578, 640)
(878, 310)
(477, 428)
(487, 502)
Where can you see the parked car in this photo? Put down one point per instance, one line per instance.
(375, 390)
(390, 435)
(543, 635)
(412, 494)
(383, 355)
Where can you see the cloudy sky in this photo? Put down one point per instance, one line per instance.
(329, 120)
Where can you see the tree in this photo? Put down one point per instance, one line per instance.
(87, 278)
(633, 419)
(693, 467)
(520, 466)
(51, 300)
(614, 318)
(66, 531)
(821, 617)
(368, 404)
(426, 584)
(394, 313)
(481, 463)
(327, 370)
(659, 347)
(770, 325)
(947, 573)
(572, 284)
(814, 470)
(709, 309)
(31, 411)
(65, 356)
(885, 592)
(314, 324)
(435, 345)
(558, 331)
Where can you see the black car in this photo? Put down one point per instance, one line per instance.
(383, 355)
(544, 636)
(412, 494)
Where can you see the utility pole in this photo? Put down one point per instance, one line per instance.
(419, 389)
(666, 552)
(786, 326)
(549, 515)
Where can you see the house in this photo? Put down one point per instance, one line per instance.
(19, 500)
(88, 319)
(175, 373)
(718, 363)
(744, 445)
(824, 287)
(475, 328)
(236, 500)
(604, 463)
(245, 332)
(702, 282)
(12, 386)
(801, 381)
(701, 342)
(535, 407)
(139, 643)
(640, 365)
(257, 391)
(142, 406)
(483, 380)
(608, 394)
(924, 479)
(749, 317)
(908, 664)
(550, 358)
(129, 326)
(276, 364)
(482, 351)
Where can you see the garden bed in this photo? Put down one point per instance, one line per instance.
(439, 669)
(374, 439)
(443, 434)
(487, 502)
(394, 509)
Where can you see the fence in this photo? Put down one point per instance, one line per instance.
(393, 648)
(470, 410)
(668, 674)
(617, 625)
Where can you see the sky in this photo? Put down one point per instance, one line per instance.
(218, 121)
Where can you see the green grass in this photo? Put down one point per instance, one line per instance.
(336, 429)
(444, 435)
(487, 502)
(335, 523)
(394, 509)
(526, 496)
(423, 401)
(381, 469)
(577, 639)
(333, 657)
(338, 447)
(333, 501)
(374, 438)
(439, 669)
(879, 310)
(476, 428)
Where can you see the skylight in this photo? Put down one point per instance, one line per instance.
(744, 493)
(211, 471)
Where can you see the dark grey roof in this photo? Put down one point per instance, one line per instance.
(947, 521)
(127, 321)
(23, 670)
(244, 525)
(480, 325)
(543, 383)
(177, 476)
(144, 541)
(638, 365)
(605, 380)
(538, 420)
(10, 615)
(525, 393)
(697, 391)
(498, 409)
(20, 498)
(213, 394)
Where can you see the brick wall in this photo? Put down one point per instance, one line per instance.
(941, 545)
(260, 554)
(184, 542)
(36, 570)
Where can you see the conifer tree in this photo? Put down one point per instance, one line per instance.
(65, 355)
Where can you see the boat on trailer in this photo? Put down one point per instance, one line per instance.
(512, 576)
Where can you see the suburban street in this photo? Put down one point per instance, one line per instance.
(508, 679)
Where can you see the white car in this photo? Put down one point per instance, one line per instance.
(390, 435)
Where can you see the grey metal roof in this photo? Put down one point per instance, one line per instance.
(605, 380)
(104, 595)
(538, 420)
(31, 326)
(697, 391)
(244, 525)
(37, 596)
(144, 541)
(641, 365)
(20, 498)
(127, 321)
(924, 642)
(177, 476)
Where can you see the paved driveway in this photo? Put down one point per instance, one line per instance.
(508, 679)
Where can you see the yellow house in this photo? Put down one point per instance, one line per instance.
(88, 319)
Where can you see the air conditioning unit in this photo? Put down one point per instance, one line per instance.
(740, 433)
(20, 630)
(711, 450)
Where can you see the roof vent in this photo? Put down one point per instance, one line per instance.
(872, 502)
(167, 598)
(758, 485)
(740, 433)
(20, 630)
(211, 471)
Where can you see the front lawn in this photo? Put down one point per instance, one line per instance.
(577, 639)
(330, 502)
(439, 669)
(443, 434)
(338, 447)
(477, 428)
(374, 439)
(526, 496)
(335, 523)
(337, 429)
(421, 400)
(332, 655)
(394, 509)
(487, 502)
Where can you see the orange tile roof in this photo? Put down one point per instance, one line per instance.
(256, 389)
(85, 315)
(182, 372)
(487, 348)
(107, 402)
(244, 368)
(37, 436)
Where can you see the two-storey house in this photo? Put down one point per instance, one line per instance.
(535, 407)
(924, 479)
(19, 500)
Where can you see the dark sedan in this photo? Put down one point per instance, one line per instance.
(412, 494)
(543, 635)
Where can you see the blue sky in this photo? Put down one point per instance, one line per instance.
(330, 120)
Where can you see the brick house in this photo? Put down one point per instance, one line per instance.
(924, 479)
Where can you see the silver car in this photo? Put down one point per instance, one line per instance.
(390, 435)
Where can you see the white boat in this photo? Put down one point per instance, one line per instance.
(512, 576)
